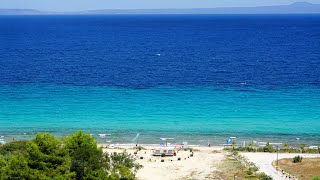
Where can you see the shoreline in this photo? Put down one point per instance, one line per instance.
(195, 140)
(205, 163)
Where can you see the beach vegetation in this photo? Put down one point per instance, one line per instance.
(263, 176)
(286, 147)
(302, 147)
(47, 157)
(311, 151)
(297, 159)
(250, 147)
(249, 173)
(85, 156)
(14, 147)
(233, 145)
(236, 166)
(122, 165)
(74, 157)
(190, 149)
(307, 169)
(269, 148)
(139, 148)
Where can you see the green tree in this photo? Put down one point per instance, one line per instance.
(14, 147)
(47, 155)
(122, 165)
(16, 168)
(87, 158)
(286, 147)
(302, 147)
(250, 146)
(268, 148)
(2, 162)
(233, 144)
(47, 158)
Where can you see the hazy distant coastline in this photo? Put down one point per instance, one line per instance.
(295, 8)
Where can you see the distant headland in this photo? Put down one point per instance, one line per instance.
(295, 8)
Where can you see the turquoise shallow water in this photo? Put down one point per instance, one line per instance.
(197, 114)
(195, 78)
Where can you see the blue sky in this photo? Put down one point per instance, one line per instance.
(76, 5)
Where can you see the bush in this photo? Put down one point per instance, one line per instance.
(297, 159)
(122, 165)
(14, 147)
(249, 173)
(315, 178)
(253, 167)
(312, 151)
(85, 155)
(263, 176)
(139, 148)
(268, 148)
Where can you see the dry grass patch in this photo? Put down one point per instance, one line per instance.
(229, 168)
(308, 168)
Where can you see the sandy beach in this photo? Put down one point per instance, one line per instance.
(203, 165)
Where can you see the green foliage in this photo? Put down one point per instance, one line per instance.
(2, 162)
(268, 148)
(253, 167)
(80, 140)
(249, 148)
(315, 178)
(124, 159)
(263, 176)
(89, 162)
(96, 175)
(302, 147)
(122, 165)
(14, 147)
(86, 157)
(249, 173)
(312, 151)
(233, 144)
(15, 168)
(47, 155)
(139, 148)
(77, 157)
(297, 159)
(289, 150)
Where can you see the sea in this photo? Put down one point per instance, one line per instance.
(138, 78)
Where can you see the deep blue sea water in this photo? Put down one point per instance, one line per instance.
(196, 78)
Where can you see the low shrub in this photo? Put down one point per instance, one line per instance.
(312, 151)
(139, 148)
(249, 173)
(297, 159)
(263, 176)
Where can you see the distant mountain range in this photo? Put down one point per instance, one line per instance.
(295, 8)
